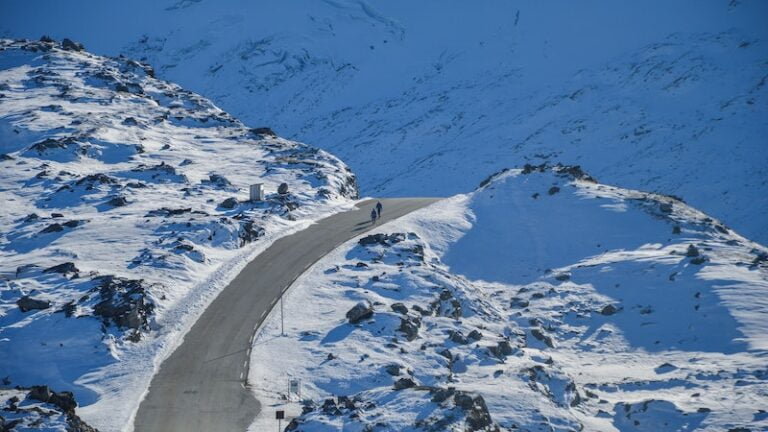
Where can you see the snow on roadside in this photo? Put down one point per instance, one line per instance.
(543, 301)
(124, 213)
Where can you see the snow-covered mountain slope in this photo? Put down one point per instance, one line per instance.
(541, 302)
(124, 210)
(429, 98)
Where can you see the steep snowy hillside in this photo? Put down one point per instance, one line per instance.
(124, 211)
(429, 98)
(544, 301)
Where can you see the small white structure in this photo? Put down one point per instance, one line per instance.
(257, 192)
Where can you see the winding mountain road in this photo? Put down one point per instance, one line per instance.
(203, 385)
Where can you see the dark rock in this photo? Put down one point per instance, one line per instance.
(123, 302)
(5, 157)
(501, 350)
(563, 277)
(282, 189)
(491, 177)
(440, 395)
(218, 180)
(64, 400)
(27, 304)
(410, 329)
(692, 251)
(374, 239)
(447, 354)
(67, 267)
(475, 335)
(229, 203)
(329, 407)
(519, 303)
(421, 310)
(263, 131)
(609, 310)
(538, 334)
(117, 201)
(393, 369)
(31, 217)
(553, 190)
(168, 212)
(457, 337)
(249, 232)
(73, 223)
(399, 308)
(699, 260)
(478, 417)
(57, 215)
(361, 264)
(404, 383)
(359, 312)
(46, 39)
(71, 45)
(665, 207)
(676, 229)
(130, 121)
(96, 178)
(54, 227)
(40, 393)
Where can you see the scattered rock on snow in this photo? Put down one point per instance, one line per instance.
(64, 268)
(359, 312)
(609, 309)
(229, 203)
(399, 308)
(27, 304)
(404, 383)
(409, 328)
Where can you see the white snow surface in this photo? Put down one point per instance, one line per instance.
(124, 176)
(427, 98)
(622, 311)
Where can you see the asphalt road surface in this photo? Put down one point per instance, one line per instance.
(202, 385)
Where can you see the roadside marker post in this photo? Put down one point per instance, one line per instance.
(279, 415)
(282, 319)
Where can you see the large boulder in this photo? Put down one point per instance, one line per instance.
(359, 312)
(27, 304)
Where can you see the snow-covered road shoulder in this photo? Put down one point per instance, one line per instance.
(542, 301)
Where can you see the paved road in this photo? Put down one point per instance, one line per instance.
(202, 385)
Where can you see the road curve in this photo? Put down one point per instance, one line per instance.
(202, 385)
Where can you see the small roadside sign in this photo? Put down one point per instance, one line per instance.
(279, 415)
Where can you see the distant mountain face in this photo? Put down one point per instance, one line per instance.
(122, 197)
(428, 99)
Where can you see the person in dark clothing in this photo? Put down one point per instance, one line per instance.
(378, 209)
(373, 216)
